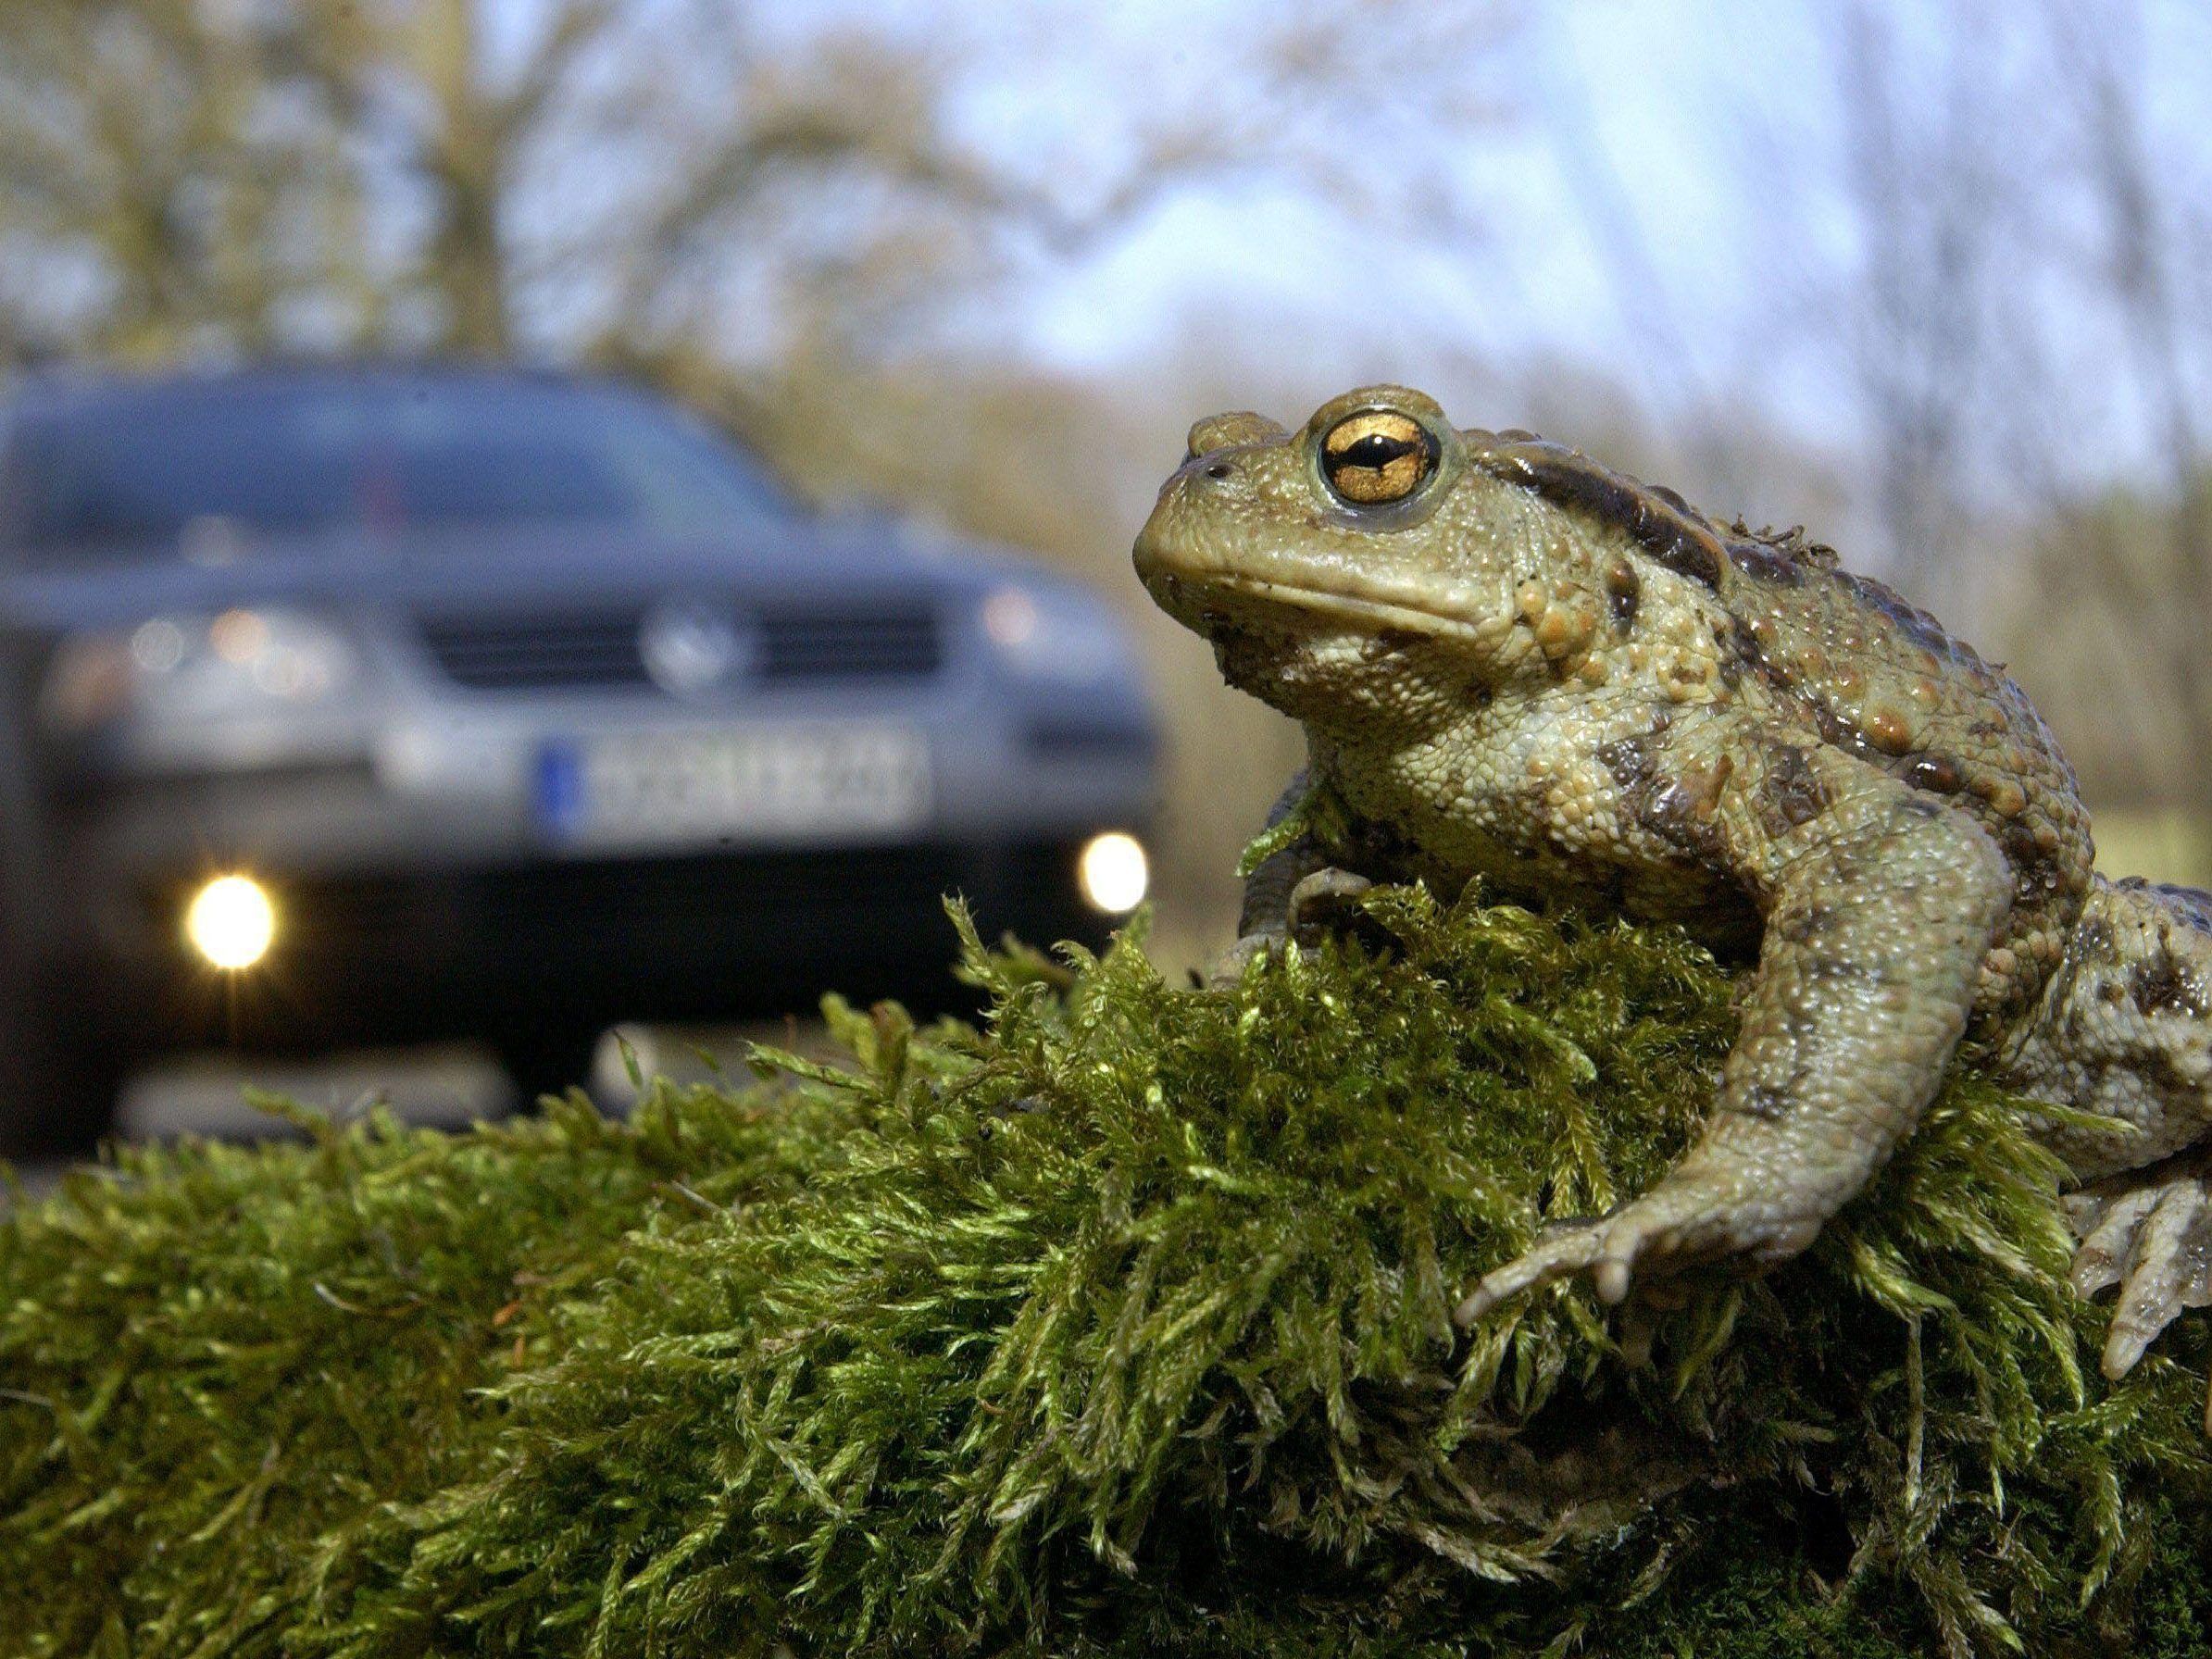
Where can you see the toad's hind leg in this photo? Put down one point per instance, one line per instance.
(2149, 1232)
(2125, 1032)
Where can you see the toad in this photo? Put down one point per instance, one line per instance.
(1515, 665)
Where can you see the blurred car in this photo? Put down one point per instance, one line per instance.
(383, 705)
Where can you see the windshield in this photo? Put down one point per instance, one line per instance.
(205, 468)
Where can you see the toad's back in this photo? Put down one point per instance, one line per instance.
(1865, 672)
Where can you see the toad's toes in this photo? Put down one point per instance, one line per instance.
(2150, 1232)
(1686, 1221)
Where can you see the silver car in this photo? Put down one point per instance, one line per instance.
(382, 704)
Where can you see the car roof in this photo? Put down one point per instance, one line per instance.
(71, 392)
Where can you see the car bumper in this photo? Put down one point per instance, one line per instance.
(423, 888)
(407, 955)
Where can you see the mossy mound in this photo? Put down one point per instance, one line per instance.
(1120, 1327)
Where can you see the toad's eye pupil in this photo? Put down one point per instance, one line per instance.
(1374, 450)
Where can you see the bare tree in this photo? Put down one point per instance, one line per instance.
(191, 175)
(152, 199)
(2135, 566)
(1931, 195)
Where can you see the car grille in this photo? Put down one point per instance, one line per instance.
(794, 644)
(539, 653)
(881, 641)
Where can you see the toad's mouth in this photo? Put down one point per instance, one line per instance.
(1192, 598)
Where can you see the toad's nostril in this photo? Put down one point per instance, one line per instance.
(1218, 469)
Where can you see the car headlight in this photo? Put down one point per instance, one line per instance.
(231, 922)
(1113, 872)
(196, 668)
(1041, 634)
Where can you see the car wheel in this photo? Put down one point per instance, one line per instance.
(58, 1094)
(545, 1057)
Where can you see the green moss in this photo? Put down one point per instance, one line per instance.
(1120, 1327)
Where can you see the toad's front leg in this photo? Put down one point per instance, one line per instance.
(1295, 890)
(1880, 908)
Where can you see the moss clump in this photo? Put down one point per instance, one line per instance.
(1120, 1327)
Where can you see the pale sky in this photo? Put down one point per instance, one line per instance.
(1662, 135)
(1659, 203)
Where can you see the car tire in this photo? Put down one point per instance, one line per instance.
(545, 1057)
(59, 1092)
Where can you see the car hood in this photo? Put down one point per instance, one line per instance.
(514, 566)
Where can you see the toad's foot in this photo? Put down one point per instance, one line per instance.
(2149, 1232)
(1697, 1217)
(1325, 900)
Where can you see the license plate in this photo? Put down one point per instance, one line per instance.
(779, 783)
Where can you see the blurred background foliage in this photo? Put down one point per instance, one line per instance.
(1933, 277)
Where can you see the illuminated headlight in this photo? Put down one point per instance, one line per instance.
(1044, 634)
(1113, 872)
(231, 922)
(196, 668)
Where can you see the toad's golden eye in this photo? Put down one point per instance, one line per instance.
(1376, 456)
